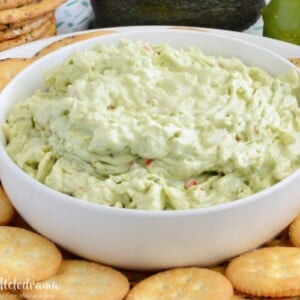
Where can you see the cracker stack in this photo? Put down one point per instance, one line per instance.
(23, 21)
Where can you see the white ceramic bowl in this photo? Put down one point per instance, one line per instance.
(149, 239)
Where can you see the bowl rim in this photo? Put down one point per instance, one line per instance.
(70, 200)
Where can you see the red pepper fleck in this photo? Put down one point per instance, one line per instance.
(202, 189)
(149, 162)
(190, 183)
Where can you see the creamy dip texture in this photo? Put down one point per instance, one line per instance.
(155, 128)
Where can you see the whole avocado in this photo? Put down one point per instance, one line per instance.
(226, 14)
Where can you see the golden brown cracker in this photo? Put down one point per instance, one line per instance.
(28, 12)
(27, 28)
(267, 272)
(183, 283)
(70, 40)
(25, 38)
(6, 4)
(294, 232)
(10, 67)
(79, 279)
(24, 23)
(26, 256)
(6, 208)
(295, 61)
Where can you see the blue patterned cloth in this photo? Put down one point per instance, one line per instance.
(74, 15)
(257, 28)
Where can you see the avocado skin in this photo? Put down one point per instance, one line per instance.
(226, 14)
(282, 20)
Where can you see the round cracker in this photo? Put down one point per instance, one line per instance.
(6, 208)
(27, 28)
(26, 256)
(79, 279)
(294, 232)
(183, 283)
(25, 38)
(28, 12)
(267, 272)
(5, 4)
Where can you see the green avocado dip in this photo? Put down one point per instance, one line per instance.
(151, 127)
